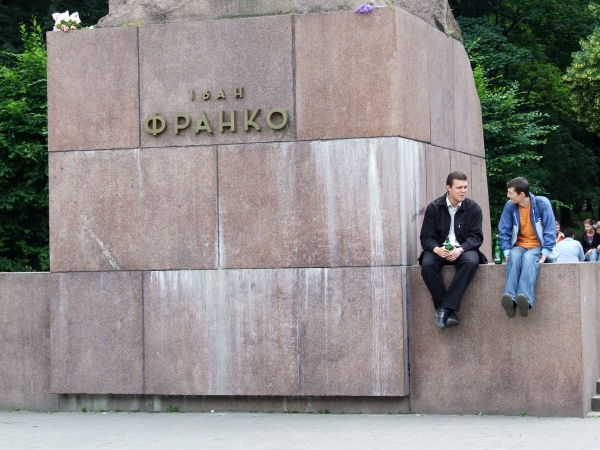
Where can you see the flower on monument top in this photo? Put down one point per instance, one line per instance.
(64, 20)
(366, 8)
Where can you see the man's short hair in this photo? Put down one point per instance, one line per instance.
(588, 222)
(455, 176)
(519, 185)
(569, 232)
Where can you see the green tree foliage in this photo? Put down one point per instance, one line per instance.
(583, 77)
(15, 12)
(511, 137)
(529, 42)
(23, 157)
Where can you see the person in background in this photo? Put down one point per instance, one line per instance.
(569, 250)
(597, 227)
(559, 234)
(590, 241)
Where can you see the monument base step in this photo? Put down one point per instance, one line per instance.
(596, 403)
(222, 403)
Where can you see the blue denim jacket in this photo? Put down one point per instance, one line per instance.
(542, 216)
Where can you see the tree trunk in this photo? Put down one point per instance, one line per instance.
(565, 217)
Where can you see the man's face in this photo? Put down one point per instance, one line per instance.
(597, 230)
(514, 197)
(589, 229)
(458, 191)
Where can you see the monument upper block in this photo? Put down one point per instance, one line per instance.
(436, 13)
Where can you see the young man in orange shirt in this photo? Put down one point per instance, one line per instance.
(527, 237)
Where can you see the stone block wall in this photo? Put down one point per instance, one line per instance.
(373, 131)
(294, 340)
(205, 260)
(546, 364)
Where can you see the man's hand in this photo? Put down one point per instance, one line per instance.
(542, 258)
(454, 254)
(441, 252)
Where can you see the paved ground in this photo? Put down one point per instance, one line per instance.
(247, 431)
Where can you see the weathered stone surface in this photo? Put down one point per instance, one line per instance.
(467, 107)
(438, 168)
(347, 86)
(441, 87)
(412, 77)
(133, 209)
(479, 192)
(275, 332)
(460, 162)
(93, 98)
(221, 332)
(97, 334)
(590, 334)
(253, 54)
(320, 204)
(351, 339)
(436, 13)
(493, 364)
(338, 95)
(25, 341)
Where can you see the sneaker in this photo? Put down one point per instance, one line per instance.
(509, 305)
(523, 305)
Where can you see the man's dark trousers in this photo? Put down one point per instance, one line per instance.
(466, 265)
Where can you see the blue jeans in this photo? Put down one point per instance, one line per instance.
(521, 272)
(593, 256)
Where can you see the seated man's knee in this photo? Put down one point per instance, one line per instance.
(471, 258)
(531, 257)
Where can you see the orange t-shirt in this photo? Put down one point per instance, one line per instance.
(526, 237)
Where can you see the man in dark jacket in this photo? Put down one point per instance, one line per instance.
(458, 220)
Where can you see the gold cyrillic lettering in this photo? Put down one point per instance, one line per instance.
(283, 123)
(203, 124)
(177, 126)
(239, 92)
(249, 121)
(205, 95)
(221, 94)
(223, 124)
(192, 95)
(151, 125)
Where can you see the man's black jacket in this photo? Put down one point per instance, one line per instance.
(467, 226)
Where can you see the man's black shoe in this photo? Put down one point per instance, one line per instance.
(442, 318)
(452, 320)
(509, 305)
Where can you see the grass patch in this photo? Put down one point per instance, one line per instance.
(173, 409)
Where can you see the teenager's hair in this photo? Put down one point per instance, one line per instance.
(588, 222)
(519, 185)
(569, 232)
(455, 176)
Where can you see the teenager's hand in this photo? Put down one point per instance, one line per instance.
(542, 259)
(588, 252)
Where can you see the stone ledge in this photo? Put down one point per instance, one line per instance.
(546, 364)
